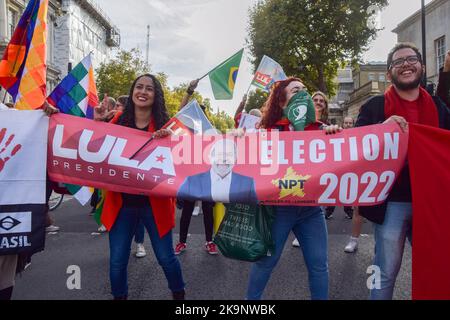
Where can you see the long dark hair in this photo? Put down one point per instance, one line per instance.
(159, 111)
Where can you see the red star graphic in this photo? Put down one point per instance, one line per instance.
(160, 159)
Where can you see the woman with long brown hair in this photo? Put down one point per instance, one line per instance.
(145, 110)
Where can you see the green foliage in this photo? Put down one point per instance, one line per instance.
(116, 76)
(256, 99)
(311, 38)
(221, 121)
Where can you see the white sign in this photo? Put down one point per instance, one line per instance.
(15, 222)
(23, 157)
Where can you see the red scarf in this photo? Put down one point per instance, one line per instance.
(394, 105)
(163, 208)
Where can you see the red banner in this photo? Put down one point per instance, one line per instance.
(430, 176)
(356, 167)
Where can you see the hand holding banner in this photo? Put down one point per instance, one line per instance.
(283, 168)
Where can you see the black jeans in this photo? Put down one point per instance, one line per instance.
(186, 214)
(94, 199)
(6, 294)
(347, 210)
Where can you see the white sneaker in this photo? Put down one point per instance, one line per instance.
(102, 229)
(140, 251)
(52, 228)
(352, 246)
(295, 243)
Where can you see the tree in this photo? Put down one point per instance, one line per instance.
(117, 75)
(256, 99)
(312, 37)
(221, 121)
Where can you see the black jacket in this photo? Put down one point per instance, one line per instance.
(372, 112)
(443, 89)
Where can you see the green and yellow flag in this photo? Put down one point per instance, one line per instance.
(223, 77)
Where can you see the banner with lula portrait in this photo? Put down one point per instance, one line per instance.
(356, 167)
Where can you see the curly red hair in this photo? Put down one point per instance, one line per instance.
(272, 112)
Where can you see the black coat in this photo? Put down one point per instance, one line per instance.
(372, 112)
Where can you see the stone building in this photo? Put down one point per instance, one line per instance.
(437, 22)
(75, 28)
(369, 80)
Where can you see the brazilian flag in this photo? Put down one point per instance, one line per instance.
(223, 77)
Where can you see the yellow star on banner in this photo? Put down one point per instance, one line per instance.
(291, 184)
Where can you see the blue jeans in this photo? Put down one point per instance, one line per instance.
(389, 246)
(120, 238)
(309, 226)
(140, 233)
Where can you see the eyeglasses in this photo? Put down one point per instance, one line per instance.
(318, 100)
(400, 61)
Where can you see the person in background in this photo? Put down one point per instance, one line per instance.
(346, 124)
(8, 265)
(240, 110)
(187, 207)
(357, 221)
(110, 109)
(255, 113)
(121, 102)
(49, 221)
(443, 89)
(320, 101)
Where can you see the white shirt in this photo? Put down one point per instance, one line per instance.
(220, 187)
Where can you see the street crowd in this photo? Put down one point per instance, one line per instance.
(127, 216)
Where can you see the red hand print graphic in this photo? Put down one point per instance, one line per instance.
(4, 146)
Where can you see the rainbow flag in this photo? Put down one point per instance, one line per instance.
(23, 69)
(77, 95)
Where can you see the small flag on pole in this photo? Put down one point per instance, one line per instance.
(23, 68)
(77, 95)
(190, 120)
(223, 78)
(269, 71)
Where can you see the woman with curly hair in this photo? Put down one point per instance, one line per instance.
(307, 223)
(145, 110)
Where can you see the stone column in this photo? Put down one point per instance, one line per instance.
(3, 20)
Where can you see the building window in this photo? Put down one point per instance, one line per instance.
(372, 77)
(381, 77)
(440, 52)
(50, 41)
(13, 20)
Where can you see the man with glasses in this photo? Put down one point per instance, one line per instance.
(405, 101)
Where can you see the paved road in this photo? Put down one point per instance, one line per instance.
(207, 277)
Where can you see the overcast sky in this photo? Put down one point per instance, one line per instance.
(190, 37)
